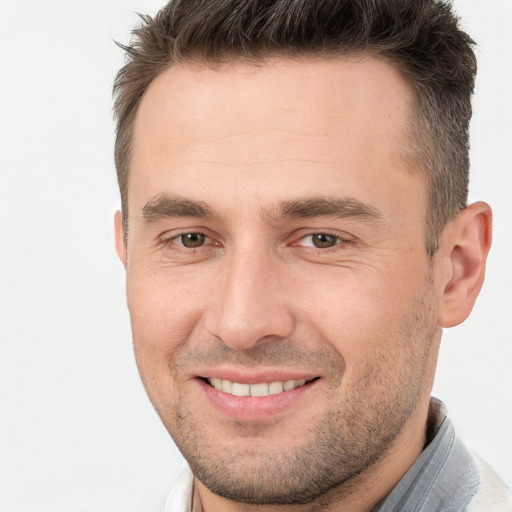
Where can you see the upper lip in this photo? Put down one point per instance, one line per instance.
(255, 377)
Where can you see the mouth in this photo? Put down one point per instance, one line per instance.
(259, 397)
(260, 389)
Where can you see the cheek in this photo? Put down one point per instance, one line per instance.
(162, 322)
(361, 316)
(164, 312)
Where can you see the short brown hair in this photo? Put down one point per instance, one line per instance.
(421, 38)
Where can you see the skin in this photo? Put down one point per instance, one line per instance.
(243, 155)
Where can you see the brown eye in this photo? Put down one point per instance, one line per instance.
(192, 240)
(323, 241)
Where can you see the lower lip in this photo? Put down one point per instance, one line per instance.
(251, 409)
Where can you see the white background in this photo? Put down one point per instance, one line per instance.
(77, 432)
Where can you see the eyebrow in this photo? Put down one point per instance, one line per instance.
(165, 206)
(344, 208)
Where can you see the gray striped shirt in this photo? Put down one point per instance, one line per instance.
(443, 478)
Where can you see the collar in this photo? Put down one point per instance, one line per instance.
(443, 478)
(180, 499)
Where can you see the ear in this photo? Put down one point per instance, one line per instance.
(121, 248)
(464, 248)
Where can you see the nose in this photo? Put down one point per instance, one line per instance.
(249, 303)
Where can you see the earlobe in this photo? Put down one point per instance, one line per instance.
(465, 249)
(119, 236)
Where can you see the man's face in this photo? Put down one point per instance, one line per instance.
(277, 249)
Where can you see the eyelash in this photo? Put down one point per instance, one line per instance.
(339, 240)
(175, 240)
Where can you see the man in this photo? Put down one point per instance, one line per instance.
(296, 234)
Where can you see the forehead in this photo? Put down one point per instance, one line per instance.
(313, 94)
(240, 125)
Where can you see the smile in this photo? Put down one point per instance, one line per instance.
(259, 389)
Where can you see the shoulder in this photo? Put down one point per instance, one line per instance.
(492, 494)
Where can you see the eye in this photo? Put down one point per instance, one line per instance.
(323, 240)
(192, 240)
(320, 240)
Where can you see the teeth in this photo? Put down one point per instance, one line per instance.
(275, 387)
(289, 384)
(260, 389)
(241, 389)
(216, 383)
(226, 386)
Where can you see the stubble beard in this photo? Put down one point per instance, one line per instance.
(347, 442)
